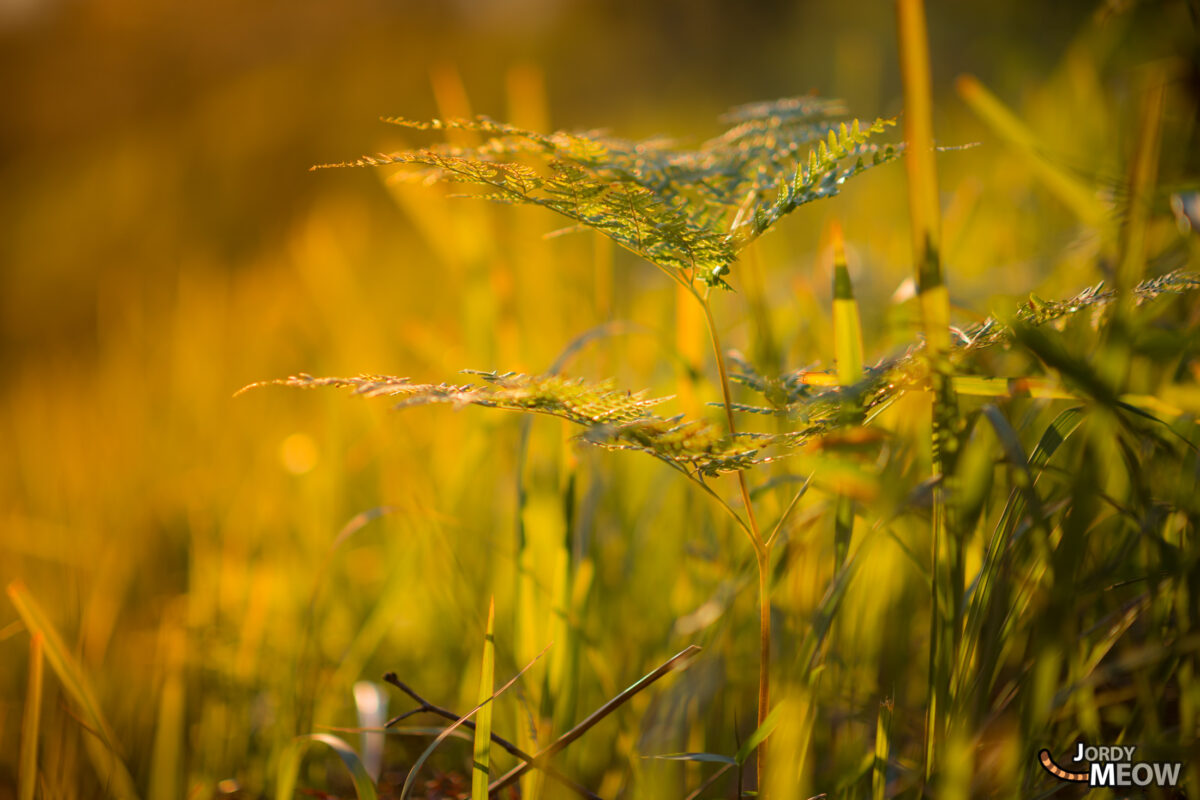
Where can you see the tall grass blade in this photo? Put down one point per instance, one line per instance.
(293, 758)
(1143, 174)
(848, 352)
(792, 768)
(100, 741)
(760, 735)
(934, 301)
(978, 386)
(823, 618)
(1075, 194)
(979, 656)
(31, 722)
(923, 206)
(483, 720)
(166, 764)
(847, 324)
(883, 747)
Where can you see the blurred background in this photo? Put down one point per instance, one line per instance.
(163, 243)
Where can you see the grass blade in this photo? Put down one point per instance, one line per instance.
(1076, 195)
(979, 386)
(847, 325)
(989, 596)
(883, 744)
(31, 722)
(760, 735)
(934, 300)
(1054, 436)
(713, 758)
(108, 763)
(293, 758)
(1015, 454)
(1143, 171)
(169, 736)
(848, 353)
(823, 618)
(924, 210)
(483, 720)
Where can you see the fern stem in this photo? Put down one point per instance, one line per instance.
(764, 657)
(741, 523)
(762, 551)
(756, 539)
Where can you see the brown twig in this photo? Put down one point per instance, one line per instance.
(512, 749)
(711, 780)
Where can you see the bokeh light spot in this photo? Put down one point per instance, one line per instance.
(298, 453)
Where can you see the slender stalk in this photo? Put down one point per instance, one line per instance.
(764, 658)
(756, 539)
(1131, 263)
(27, 770)
(762, 550)
(925, 213)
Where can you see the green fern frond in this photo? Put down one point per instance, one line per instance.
(579, 401)
(614, 419)
(664, 229)
(770, 123)
(365, 385)
(800, 393)
(782, 391)
(1041, 312)
(844, 154)
(683, 210)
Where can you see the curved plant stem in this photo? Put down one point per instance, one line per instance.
(762, 550)
(947, 567)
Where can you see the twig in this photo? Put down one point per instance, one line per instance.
(512, 749)
(788, 511)
(711, 780)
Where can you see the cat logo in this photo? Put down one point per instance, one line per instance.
(1113, 767)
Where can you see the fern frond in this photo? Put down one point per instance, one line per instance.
(1041, 312)
(778, 121)
(579, 401)
(798, 393)
(682, 210)
(660, 227)
(614, 419)
(844, 154)
(365, 385)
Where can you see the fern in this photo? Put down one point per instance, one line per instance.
(813, 394)
(844, 154)
(686, 211)
(613, 419)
